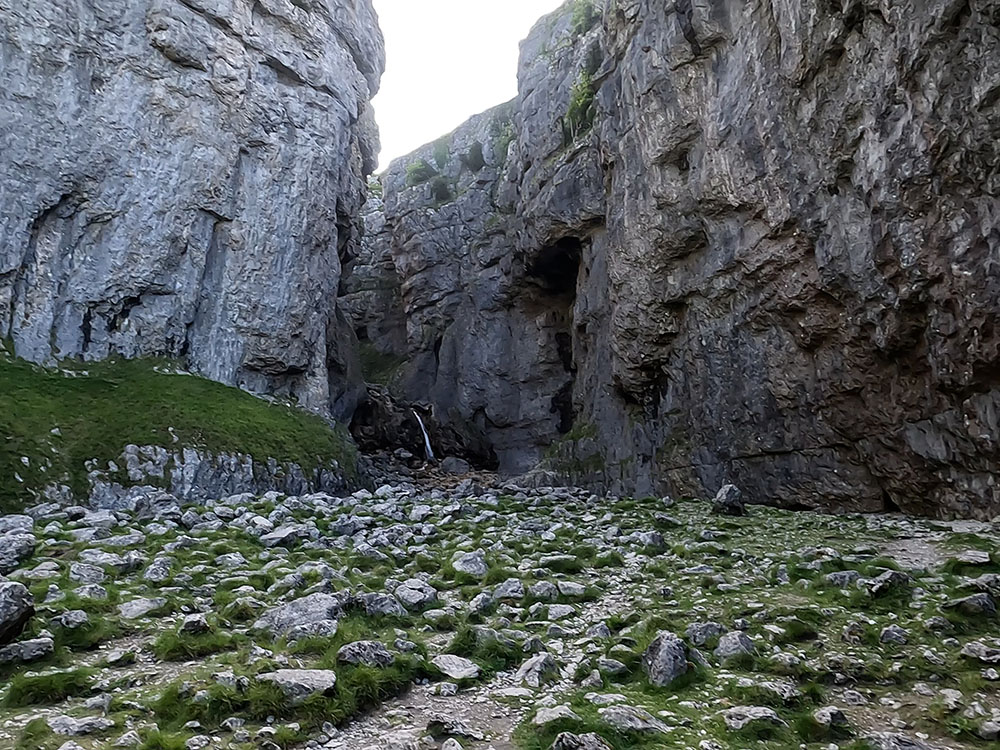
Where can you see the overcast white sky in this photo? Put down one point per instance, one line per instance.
(447, 60)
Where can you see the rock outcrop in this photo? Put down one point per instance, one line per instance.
(711, 242)
(192, 474)
(182, 178)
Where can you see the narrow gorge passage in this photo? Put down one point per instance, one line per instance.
(654, 407)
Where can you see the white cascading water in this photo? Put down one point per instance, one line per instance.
(427, 438)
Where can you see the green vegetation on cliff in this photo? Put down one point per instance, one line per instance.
(54, 420)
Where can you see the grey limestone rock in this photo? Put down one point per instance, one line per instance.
(15, 548)
(729, 502)
(741, 717)
(300, 684)
(309, 609)
(632, 719)
(456, 667)
(719, 273)
(369, 653)
(570, 741)
(16, 608)
(665, 659)
(194, 195)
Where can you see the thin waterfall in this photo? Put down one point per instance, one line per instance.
(427, 438)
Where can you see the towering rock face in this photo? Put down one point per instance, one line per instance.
(732, 241)
(181, 178)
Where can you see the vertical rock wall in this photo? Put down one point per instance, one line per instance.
(751, 241)
(182, 178)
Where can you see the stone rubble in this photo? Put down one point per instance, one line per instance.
(475, 613)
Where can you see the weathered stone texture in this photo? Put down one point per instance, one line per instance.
(181, 178)
(774, 253)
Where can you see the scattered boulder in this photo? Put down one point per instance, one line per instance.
(729, 502)
(977, 605)
(308, 610)
(15, 548)
(300, 684)
(569, 741)
(24, 652)
(472, 564)
(456, 667)
(547, 715)
(632, 719)
(887, 583)
(741, 717)
(665, 659)
(453, 465)
(68, 726)
(368, 653)
(734, 645)
(138, 608)
(537, 670)
(16, 607)
(416, 595)
(440, 725)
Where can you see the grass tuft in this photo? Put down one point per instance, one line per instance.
(48, 689)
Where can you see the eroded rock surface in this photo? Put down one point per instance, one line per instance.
(718, 242)
(182, 179)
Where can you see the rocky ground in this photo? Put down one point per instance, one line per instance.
(472, 613)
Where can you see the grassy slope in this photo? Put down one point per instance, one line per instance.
(109, 405)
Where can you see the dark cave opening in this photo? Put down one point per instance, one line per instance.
(556, 270)
(557, 266)
(888, 504)
(562, 405)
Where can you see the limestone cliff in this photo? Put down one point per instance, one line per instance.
(182, 178)
(716, 240)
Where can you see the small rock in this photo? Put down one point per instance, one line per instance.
(456, 667)
(369, 653)
(740, 717)
(300, 684)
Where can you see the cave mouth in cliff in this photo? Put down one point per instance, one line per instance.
(557, 266)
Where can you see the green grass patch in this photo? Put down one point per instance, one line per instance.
(492, 651)
(48, 689)
(154, 739)
(359, 689)
(105, 406)
(36, 735)
(174, 646)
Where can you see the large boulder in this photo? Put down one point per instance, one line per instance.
(367, 653)
(309, 610)
(729, 502)
(16, 608)
(665, 659)
(456, 667)
(15, 548)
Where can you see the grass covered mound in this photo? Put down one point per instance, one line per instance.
(58, 419)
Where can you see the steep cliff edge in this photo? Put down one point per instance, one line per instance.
(181, 178)
(728, 241)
